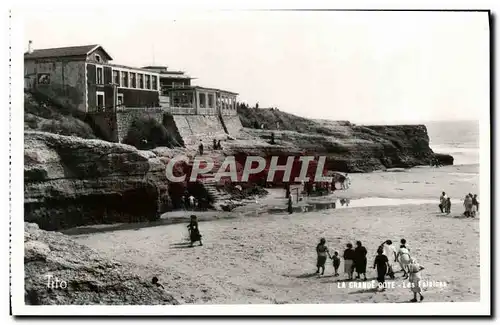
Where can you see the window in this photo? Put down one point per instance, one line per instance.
(155, 82)
(140, 78)
(133, 83)
(124, 79)
(119, 100)
(116, 77)
(148, 81)
(100, 100)
(98, 58)
(177, 84)
(99, 76)
(210, 100)
(202, 100)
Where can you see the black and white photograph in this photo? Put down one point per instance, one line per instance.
(283, 162)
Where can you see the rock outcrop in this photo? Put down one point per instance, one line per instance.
(348, 147)
(71, 181)
(83, 277)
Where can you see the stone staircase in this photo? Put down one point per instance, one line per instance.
(214, 187)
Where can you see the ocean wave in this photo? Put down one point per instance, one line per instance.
(451, 150)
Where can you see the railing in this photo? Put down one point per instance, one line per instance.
(181, 110)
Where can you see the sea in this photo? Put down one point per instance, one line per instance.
(457, 138)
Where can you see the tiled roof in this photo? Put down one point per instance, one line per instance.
(63, 52)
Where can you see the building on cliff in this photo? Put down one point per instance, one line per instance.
(182, 98)
(82, 78)
(115, 96)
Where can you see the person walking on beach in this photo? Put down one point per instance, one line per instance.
(382, 264)
(403, 257)
(349, 261)
(200, 148)
(448, 206)
(336, 263)
(194, 231)
(414, 270)
(468, 205)
(475, 205)
(323, 253)
(290, 203)
(191, 202)
(360, 260)
(442, 201)
(390, 252)
(155, 282)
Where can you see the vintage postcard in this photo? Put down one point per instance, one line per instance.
(250, 162)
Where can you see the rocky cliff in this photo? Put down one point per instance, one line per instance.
(348, 147)
(88, 278)
(70, 181)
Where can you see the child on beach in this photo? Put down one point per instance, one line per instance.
(448, 206)
(194, 231)
(336, 262)
(382, 264)
(442, 202)
(414, 270)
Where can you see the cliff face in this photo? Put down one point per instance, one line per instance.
(71, 182)
(89, 278)
(348, 147)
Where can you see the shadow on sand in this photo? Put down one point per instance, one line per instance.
(371, 290)
(181, 245)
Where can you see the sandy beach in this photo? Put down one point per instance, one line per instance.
(270, 258)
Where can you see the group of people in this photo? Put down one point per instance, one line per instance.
(355, 260)
(217, 145)
(471, 204)
(191, 203)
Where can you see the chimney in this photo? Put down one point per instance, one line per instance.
(30, 46)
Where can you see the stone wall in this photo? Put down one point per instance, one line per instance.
(233, 125)
(125, 117)
(65, 83)
(193, 128)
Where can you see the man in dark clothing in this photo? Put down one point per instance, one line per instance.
(382, 265)
(215, 144)
(194, 231)
(200, 148)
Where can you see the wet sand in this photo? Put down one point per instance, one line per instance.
(271, 258)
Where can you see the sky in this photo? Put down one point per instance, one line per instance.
(365, 67)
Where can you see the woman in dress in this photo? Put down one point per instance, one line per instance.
(414, 270)
(194, 231)
(403, 257)
(360, 260)
(349, 261)
(381, 263)
(323, 253)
